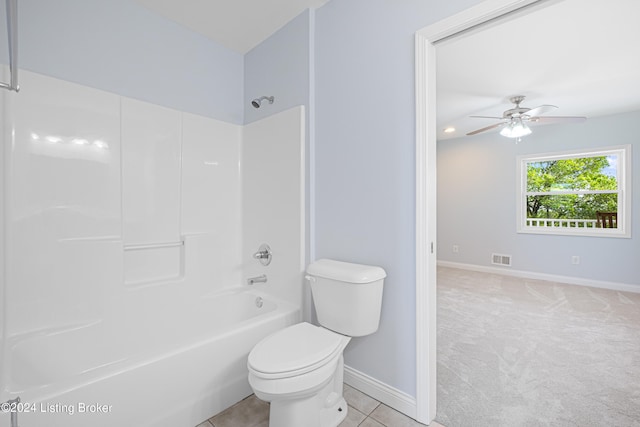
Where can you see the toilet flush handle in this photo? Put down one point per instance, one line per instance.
(311, 279)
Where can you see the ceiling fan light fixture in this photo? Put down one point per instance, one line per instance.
(516, 128)
(512, 124)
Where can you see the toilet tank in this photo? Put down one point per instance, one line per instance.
(347, 297)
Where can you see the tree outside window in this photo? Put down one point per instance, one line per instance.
(569, 193)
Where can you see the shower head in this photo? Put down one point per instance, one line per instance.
(256, 102)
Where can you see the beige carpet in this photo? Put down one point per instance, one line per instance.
(518, 352)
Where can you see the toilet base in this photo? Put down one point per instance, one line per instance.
(334, 415)
(304, 412)
(324, 408)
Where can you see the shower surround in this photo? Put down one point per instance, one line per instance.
(128, 233)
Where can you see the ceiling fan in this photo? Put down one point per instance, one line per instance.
(514, 121)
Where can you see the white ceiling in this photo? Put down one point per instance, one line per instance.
(580, 55)
(239, 25)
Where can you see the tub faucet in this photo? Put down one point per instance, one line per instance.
(258, 279)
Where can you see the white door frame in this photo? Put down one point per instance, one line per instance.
(426, 380)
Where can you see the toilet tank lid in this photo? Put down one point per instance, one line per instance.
(345, 271)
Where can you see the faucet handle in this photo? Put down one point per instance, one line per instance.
(264, 254)
(261, 255)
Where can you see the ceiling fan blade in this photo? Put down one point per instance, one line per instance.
(487, 117)
(535, 112)
(485, 128)
(557, 119)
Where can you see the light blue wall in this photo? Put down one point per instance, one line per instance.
(365, 161)
(121, 47)
(477, 186)
(279, 67)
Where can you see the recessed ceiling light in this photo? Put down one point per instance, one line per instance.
(450, 129)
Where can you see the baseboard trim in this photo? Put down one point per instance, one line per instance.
(614, 286)
(390, 396)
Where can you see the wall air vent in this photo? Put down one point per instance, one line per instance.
(500, 259)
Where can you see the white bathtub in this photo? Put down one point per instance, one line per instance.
(170, 371)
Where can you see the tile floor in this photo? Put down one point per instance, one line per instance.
(364, 411)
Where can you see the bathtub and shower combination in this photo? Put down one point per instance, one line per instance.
(129, 235)
(177, 370)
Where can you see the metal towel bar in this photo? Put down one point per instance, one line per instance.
(12, 31)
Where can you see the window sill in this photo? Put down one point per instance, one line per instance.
(558, 231)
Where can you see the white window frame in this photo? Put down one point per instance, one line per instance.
(624, 192)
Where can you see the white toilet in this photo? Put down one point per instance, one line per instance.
(300, 369)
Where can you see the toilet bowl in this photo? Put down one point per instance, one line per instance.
(300, 369)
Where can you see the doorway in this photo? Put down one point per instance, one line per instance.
(426, 206)
(426, 41)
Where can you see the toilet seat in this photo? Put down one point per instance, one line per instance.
(294, 351)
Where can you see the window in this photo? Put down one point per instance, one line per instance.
(584, 193)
